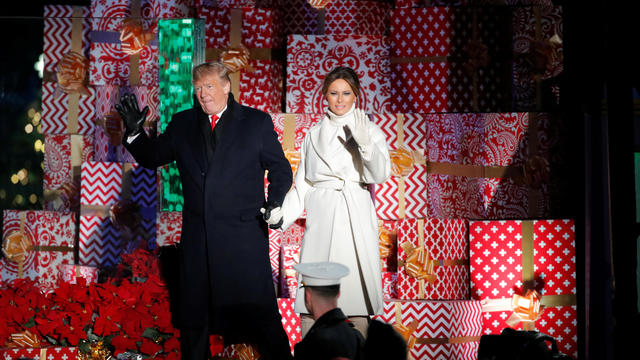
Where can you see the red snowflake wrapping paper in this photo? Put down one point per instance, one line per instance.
(511, 256)
(109, 63)
(311, 57)
(63, 157)
(537, 39)
(436, 329)
(476, 165)
(388, 245)
(44, 353)
(337, 18)
(70, 273)
(51, 236)
(445, 243)
(404, 194)
(169, 228)
(289, 256)
(109, 129)
(449, 59)
(290, 321)
(259, 83)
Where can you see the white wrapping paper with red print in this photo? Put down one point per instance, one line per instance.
(390, 285)
(63, 157)
(509, 255)
(445, 242)
(260, 27)
(289, 256)
(537, 39)
(70, 273)
(437, 329)
(290, 321)
(169, 228)
(310, 58)
(437, 60)
(50, 235)
(291, 130)
(340, 18)
(403, 195)
(277, 239)
(67, 114)
(476, 164)
(109, 125)
(49, 353)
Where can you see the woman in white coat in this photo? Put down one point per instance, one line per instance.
(340, 157)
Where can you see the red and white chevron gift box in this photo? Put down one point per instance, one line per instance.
(101, 242)
(59, 36)
(476, 164)
(510, 256)
(109, 129)
(290, 321)
(63, 157)
(438, 62)
(64, 113)
(169, 228)
(260, 84)
(274, 255)
(70, 273)
(44, 353)
(405, 193)
(436, 329)
(311, 57)
(47, 242)
(444, 241)
(289, 256)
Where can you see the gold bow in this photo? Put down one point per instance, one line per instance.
(294, 159)
(133, 37)
(16, 246)
(246, 352)
(318, 4)
(386, 239)
(525, 308)
(407, 332)
(71, 73)
(402, 161)
(543, 55)
(236, 58)
(419, 264)
(98, 351)
(25, 339)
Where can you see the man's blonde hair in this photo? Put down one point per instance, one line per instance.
(209, 68)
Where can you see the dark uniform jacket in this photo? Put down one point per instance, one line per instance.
(225, 274)
(331, 336)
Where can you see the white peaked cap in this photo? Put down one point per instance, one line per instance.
(321, 273)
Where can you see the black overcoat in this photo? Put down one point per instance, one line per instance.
(224, 268)
(331, 336)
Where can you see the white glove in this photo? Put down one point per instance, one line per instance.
(274, 217)
(360, 128)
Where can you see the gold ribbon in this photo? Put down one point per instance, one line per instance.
(289, 142)
(76, 46)
(235, 41)
(134, 59)
(386, 240)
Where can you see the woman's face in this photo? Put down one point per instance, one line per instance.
(340, 97)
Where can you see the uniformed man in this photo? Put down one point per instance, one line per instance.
(332, 335)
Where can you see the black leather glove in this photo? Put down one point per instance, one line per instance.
(131, 115)
(277, 212)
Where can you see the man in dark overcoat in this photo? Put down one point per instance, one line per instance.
(222, 150)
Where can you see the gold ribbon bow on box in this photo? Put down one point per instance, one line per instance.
(133, 36)
(543, 56)
(236, 59)
(17, 244)
(407, 332)
(71, 73)
(25, 339)
(419, 264)
(525, 307)
(246, 352)
(386, 240)
(318, 4)
(98, 351)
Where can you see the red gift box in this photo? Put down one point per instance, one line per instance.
(256, 79)
(449, 59)
(290, 321)
(289, 256)
(110, 129)
(291, 130)
(70, 273)
(509, 257)
(35, 244)
(433, 259)
(436, 329)
(44, 353)
(310, 58)
(390, 285)
(404, 194)
(169, 228)
(63, 157)
(64, 113)
(489, 166)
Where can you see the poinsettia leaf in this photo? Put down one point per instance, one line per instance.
(84, 346)
(30, 323)
(151, 333)
(93, 337)
(51, 340)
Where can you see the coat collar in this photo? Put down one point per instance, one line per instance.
(329, 318)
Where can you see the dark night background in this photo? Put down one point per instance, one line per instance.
(601, 71)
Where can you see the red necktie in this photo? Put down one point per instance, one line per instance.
(214, 120)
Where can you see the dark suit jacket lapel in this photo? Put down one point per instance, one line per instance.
(225, 134)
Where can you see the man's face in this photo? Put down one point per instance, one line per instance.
(212, 93)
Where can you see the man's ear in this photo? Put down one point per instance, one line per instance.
(226, 87)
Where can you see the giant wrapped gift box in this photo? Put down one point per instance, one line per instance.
(489, 165)
(110, 128)
(169, 228)
(436, 329)
(450, 59)
(35, 244)
(248, 40)
(63, 157)
(538, 60)
(290, 321)
(118, 209)
(278, 239)
(404, 193)
(289, 256)
(133, 60)
(336, 18)
(67, 101)
(388, 245)
(43, 353)
(311, 57)
(511, 257)
(70, 273)
(433, 259)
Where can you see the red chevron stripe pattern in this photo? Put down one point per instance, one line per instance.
(466, 320)
(290, 321)
(58, 34)
(274, 254)
(101, 183)
(99, 242)
(55, 111)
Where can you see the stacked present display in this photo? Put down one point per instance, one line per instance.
(463, 91)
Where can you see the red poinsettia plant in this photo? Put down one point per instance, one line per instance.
(128, 314)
